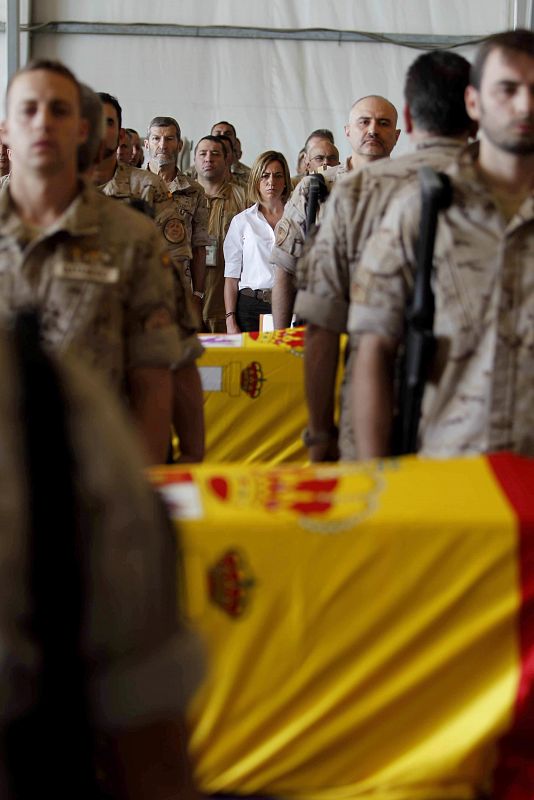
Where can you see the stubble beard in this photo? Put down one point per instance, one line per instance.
(505, 139)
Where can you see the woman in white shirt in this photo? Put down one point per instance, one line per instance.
(248, 271)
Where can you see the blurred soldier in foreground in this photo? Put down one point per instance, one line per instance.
(95, 666)
(98, 272)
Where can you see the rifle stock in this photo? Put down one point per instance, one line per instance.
(436, 195)
(318, 192)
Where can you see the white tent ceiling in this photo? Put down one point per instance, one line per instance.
(274, 90)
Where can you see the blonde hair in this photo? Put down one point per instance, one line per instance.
(257, 170)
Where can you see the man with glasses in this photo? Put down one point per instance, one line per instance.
(321, 155)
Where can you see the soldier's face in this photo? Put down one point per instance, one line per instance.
(504, 105)
(224, 130)
(372, 128)
(163, 145)
(111, 130)
(210, 160)
(137, 156)
(324, 153)
(124, 150)
(43, 127)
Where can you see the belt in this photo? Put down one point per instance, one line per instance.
(260, 294)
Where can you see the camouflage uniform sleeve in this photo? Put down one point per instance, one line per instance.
(187, 323)
(200, 235)
(289, 234)
(382, 285)
(152, 336)
(323, 272)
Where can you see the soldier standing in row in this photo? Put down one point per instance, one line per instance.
(225, 200)
(98, 272)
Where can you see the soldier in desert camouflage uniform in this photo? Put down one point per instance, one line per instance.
(438, 124)
(187, 233)
(480, 393)
(372, 133)
(98, 272)
(225, 200)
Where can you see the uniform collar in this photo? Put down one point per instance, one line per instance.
(224, 191)
(179, 181)
(443, 142)
(121, 177)
(463, 172)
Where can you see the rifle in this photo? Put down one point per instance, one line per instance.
(317, 194)
(436, 194)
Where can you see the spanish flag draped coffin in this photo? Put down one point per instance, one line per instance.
(254, 404)
(369, 628)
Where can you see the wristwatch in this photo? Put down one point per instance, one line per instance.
(199, 294)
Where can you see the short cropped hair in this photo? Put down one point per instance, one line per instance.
(112, 101)
(520, 40)
(164, 122)
(47, 65)
(434, 90)
(210, 138)
(320, 133)
(224, 122)
(257, 170)
(93, 111)
(227, 142)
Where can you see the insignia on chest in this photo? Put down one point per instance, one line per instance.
(86, 265)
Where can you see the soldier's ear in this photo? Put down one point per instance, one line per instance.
(472, 102)
(122, 135)
(180, 145)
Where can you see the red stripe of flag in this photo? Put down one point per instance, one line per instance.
(514, 771)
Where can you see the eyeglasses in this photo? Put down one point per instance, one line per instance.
(320, 159)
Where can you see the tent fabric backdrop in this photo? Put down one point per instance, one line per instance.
(275, 92)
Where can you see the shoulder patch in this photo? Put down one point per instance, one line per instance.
(282, 231)
(174, 231)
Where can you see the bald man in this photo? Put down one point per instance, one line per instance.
(372, 132)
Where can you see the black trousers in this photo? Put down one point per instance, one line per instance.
(248, 312)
